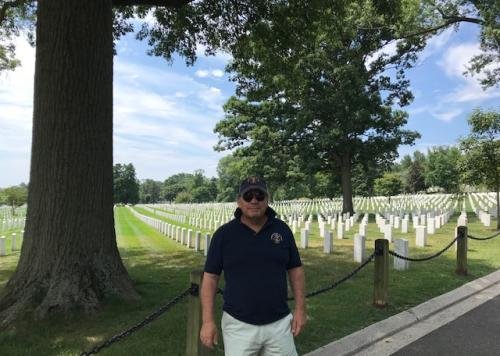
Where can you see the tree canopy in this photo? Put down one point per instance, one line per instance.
(307, 88)
(14, 196)
(480, 160)
(125, 184)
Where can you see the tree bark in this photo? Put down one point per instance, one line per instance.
(69, 258)
(345, 178)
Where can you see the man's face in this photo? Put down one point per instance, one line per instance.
(253, 204)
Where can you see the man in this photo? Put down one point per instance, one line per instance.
(256, 251)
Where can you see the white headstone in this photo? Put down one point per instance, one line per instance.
(206, 244)
(362, 229)
(304, 237)
(388, 232)
(2, 246)
(421, 235)
(401, 248)
(396, 222)
(430, 226)
(347, 225)
(404, 226)
(340, 230)
(327, 242)
(359, 247)
(197, 241)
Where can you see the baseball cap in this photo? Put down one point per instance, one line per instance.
(253, 182)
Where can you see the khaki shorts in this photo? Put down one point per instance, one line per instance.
(242, 339)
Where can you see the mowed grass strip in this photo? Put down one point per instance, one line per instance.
(160, 268)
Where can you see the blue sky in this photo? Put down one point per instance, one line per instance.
(164, 114)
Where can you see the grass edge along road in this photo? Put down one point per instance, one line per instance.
(160, 268)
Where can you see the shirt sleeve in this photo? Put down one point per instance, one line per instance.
(213, 264)
(294, 260)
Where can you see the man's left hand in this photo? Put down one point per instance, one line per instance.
(299, 321)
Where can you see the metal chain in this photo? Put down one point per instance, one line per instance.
(335, 284)
(340, 281)
(424, 258)
(191, 290)
(483, 238)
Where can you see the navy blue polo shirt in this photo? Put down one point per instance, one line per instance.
(255, 268)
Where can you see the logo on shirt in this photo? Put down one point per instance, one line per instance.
(276, 238)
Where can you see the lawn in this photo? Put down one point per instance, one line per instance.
(160, 268)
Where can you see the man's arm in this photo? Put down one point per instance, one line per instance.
(297, 281)
(208, 332)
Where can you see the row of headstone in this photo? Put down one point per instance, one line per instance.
(403, 203)
(401, 248)
(483, 202)
(16, 242)
(176, 217)
(186, 237)
(13, 223)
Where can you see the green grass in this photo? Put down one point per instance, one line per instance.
(160, 268)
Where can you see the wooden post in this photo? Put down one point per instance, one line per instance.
(462, 250)
(194, 347)
(381, 279)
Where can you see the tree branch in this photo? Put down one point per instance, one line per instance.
(163, 3)
(450, 21)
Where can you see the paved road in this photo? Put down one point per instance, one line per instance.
(476, 333)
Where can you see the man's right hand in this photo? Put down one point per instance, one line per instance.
(209, 334)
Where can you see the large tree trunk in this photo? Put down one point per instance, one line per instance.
(69, 258)
(345, 178)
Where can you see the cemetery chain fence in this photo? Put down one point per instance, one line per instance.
(193, 290)
(423, 258)
(342, 280)
(483, 238)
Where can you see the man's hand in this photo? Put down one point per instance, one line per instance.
(299, 321)
(209, 334)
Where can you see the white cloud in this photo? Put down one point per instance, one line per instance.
(202, 73)
(447, 116)
(455, 59)
(436, 44)
(217, 73)
(180, 94)
(454, 63)
(16, 112)
(389, 49)
(220, 57)
(163, 120)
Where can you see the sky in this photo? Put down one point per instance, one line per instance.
(164, 114)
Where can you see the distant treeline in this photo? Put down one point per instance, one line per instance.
(434, 171)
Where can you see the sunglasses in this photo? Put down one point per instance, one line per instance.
(248, 196)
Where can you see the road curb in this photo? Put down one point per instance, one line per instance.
(399, 330)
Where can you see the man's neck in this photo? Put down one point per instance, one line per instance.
(254, 223)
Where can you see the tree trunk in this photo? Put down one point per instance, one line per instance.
(345, 177)
(69, 258)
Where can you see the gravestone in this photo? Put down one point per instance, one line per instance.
(401, 248)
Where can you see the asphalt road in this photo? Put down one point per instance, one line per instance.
(476, 333)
